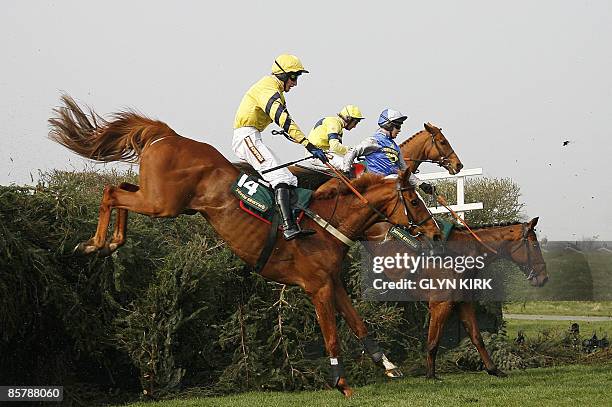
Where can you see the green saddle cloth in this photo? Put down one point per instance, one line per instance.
(257, 195)
(446, 228)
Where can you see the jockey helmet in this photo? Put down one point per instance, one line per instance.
(390, 118)
(288, 64)
(349, 112)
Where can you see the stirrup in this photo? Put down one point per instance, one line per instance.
(292, 233)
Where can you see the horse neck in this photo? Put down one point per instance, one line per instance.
(348, 214)
(496, 237)
(415, 148)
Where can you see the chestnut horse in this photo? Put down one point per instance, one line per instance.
(516, 242)
(430, 145)
(179, 175)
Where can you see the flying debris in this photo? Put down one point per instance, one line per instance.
(566, 142)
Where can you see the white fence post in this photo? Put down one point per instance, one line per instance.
(461, 207)
(460, 196)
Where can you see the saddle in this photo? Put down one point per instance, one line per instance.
(257, 198)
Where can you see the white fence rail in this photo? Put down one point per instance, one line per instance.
(461, 206)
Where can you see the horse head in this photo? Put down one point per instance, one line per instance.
(525, 251)
(409, 210)
(440, 151)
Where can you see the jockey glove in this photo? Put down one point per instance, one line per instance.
(317, 152)
(427, 188)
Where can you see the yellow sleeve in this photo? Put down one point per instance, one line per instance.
(333, 128)
(335, 146)
(278, 112)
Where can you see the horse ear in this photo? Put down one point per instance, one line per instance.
(403, 176)
(429, 127)
(533, 222)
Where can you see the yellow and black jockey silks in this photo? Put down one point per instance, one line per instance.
(327, 135)
(264, 103)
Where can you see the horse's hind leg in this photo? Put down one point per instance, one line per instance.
(118, 238)
(438, 314)
(323, 299)
(352, 318)
(126, 199)
(97, 242)
(467, 314)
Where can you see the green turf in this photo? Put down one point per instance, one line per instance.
(558, 386)
(587, 308)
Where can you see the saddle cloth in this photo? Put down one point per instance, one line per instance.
(257, 197)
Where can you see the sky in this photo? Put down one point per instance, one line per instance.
(508, 82)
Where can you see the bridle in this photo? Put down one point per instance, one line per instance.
(443, 161)
(411, 223)
(529, 268)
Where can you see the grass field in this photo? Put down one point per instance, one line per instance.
(586, 308)
(559, 386)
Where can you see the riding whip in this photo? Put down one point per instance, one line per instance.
(278, 167)
(442, 202)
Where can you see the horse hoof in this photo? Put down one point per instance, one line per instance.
(84, 248)
(394, 373)
(344, 388)
(105, 251)
(497, 372)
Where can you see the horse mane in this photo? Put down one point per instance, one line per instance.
(491, 225)
(334, 188)
(413, 136)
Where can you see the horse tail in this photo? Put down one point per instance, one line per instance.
(123, 138)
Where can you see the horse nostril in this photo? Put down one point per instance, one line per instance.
(459, 167)
(437, 237)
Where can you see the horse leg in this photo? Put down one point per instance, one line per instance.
(125, 198)
(354, 321)
(438, 314)
(323, 300)
(118, 238)
(97, 242)
(467, 314)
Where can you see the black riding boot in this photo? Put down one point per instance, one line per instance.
(291, 230)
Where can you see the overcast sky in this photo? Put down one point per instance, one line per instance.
(507, 81)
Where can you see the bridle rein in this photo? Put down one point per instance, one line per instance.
(529, 268)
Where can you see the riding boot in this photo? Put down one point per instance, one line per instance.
(283, 199)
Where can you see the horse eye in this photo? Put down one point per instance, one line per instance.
(443, 142)
(414, 202)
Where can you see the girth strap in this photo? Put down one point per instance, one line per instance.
(328, 227)
(269, 245)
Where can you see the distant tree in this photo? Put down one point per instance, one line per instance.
(500, 198)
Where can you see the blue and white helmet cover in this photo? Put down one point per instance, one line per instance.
(390, 115)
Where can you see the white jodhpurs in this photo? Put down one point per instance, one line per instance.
(335, 160)
(248, 146)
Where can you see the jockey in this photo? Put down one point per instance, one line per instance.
(327, 133)
(264, 103)
(382, 154)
